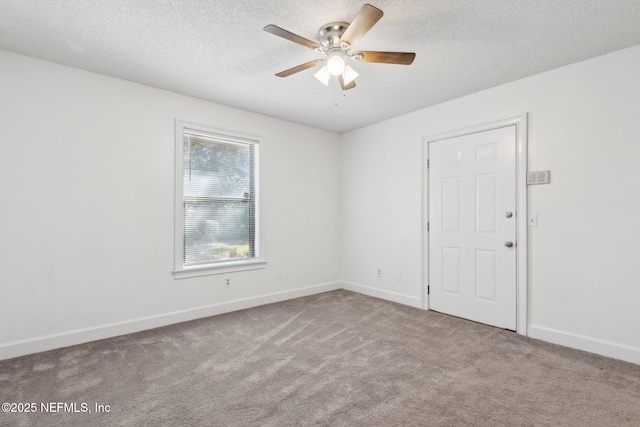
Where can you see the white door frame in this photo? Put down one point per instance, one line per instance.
(520, 123)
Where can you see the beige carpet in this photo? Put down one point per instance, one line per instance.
(339, 358)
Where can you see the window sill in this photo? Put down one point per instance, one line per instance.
(222, 268)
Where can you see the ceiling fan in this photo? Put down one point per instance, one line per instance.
(336, 39)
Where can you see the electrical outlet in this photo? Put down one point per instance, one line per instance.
(379, 273)
(228, 284)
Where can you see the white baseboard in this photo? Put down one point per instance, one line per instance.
(581, 342)
(382, 294)
(49, 342)
(79, 336)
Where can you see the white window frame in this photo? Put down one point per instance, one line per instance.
(257, 261)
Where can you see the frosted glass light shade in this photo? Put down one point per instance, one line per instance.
(349, 74)
(335, 65)
(323, 75)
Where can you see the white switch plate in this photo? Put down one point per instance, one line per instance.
(538, 177)
(532, 221)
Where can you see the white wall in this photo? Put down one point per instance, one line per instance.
(584, 273)
(86, 205)
(87, 208)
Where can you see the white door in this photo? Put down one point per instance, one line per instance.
(472, 227)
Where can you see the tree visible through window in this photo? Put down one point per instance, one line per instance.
(219, 198)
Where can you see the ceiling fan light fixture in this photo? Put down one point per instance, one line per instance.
(349, 74)
(335, 64)
(335, 40)
(323, 75)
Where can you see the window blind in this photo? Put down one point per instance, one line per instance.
(218, 198)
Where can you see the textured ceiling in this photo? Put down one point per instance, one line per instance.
(217, 50)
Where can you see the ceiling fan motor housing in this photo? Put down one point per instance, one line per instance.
(329, 34)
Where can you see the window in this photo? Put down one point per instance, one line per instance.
(216, 203)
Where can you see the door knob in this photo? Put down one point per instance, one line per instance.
(508, 214)
(508, 243)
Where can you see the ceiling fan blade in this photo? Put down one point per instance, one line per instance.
(364, 20)
(306, 65)
(273, 29)
(402, 58)
(348, 86)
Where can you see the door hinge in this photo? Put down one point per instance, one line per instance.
(427, 226)
(428, 163)
(428, 290)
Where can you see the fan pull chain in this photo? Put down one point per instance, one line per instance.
(344, 95)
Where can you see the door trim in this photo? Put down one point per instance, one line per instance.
(520, 123)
